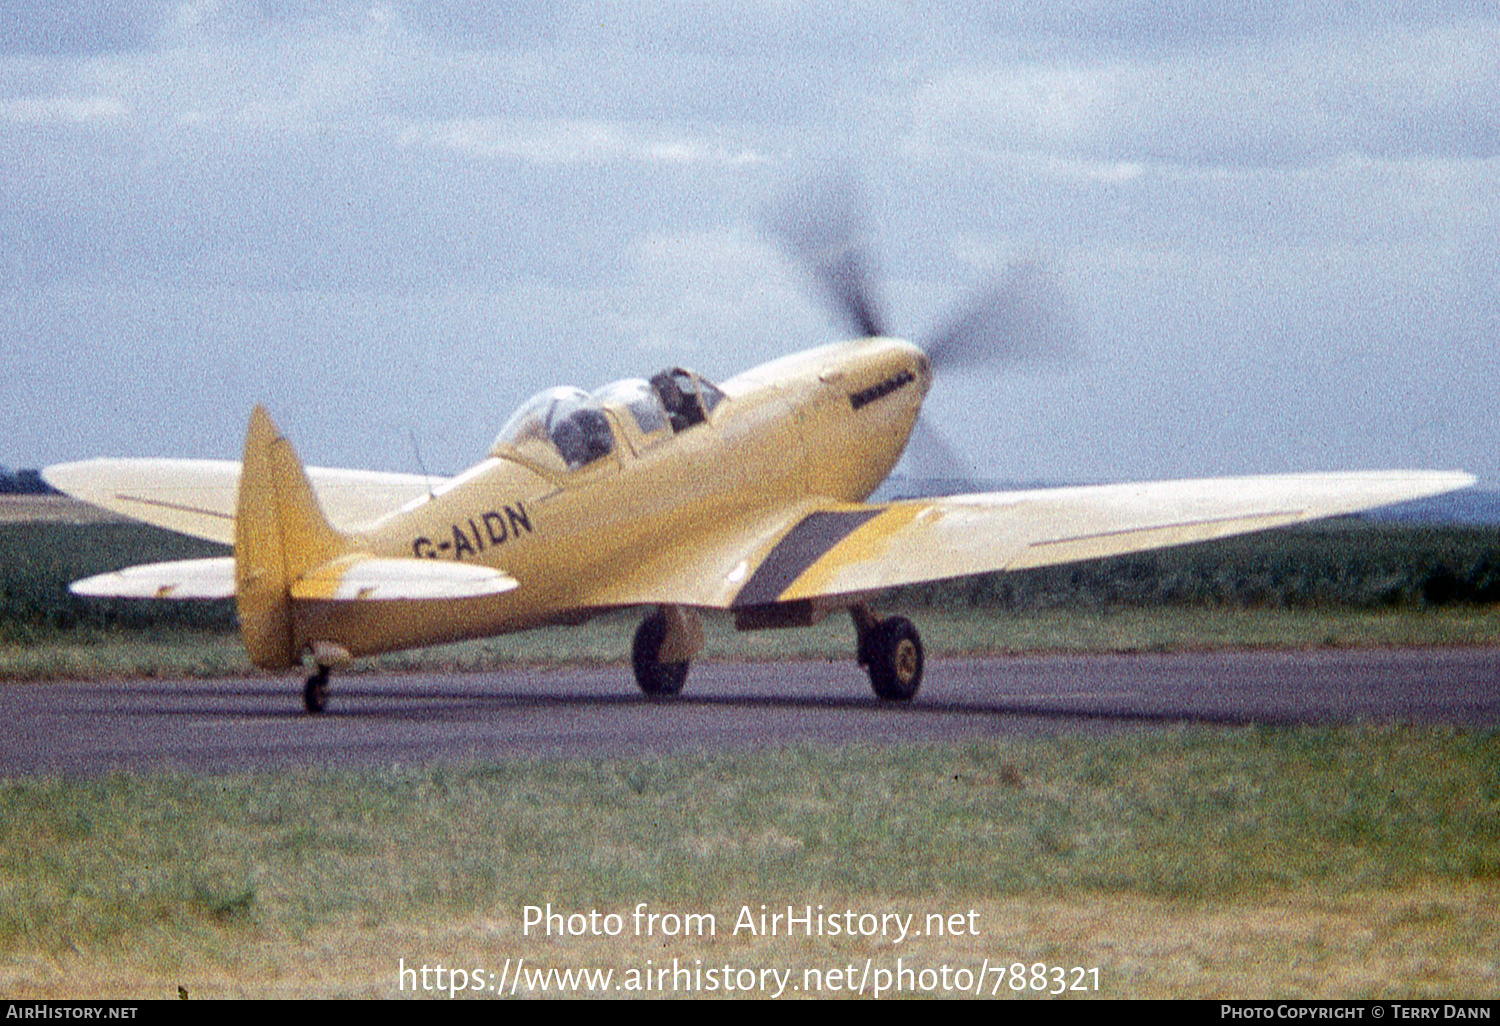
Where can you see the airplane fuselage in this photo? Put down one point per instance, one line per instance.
(826, 424)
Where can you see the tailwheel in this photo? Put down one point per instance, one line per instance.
(315, 692)
(654, 677)
(891, 651)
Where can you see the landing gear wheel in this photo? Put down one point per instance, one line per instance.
(315, 692)
(892, 652)
(654, 677)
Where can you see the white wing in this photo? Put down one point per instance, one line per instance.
(848, 550)
(198, 497)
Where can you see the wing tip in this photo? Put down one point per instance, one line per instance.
(207, 579)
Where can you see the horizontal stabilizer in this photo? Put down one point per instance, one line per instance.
(183, 579)
(368, 579)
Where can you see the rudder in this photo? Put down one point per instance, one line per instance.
(279, 532)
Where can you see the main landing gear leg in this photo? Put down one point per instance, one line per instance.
(890, 650)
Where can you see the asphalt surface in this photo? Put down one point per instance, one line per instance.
(256, 724)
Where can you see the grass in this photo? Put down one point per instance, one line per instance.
(1172, 861)
(93, 653)
(1342, 583)
(38, 559)
(963, 630)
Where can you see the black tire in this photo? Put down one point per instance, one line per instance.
(652, 676)
(315, 692)
(894, 658)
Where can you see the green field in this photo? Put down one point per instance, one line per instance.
(1344, 583)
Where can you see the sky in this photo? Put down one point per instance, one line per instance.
(1276, 224)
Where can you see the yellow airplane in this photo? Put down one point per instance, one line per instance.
(674, 494)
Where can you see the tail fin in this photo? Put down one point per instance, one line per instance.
(279, 533)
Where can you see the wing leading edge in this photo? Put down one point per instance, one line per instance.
(856, 550)
(197, 497)
(349, 579)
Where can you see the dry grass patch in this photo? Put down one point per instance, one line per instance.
(1436, 942)
(1244, 861)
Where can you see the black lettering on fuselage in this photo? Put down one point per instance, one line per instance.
(502, 525)
(494, 525)
(461, 544)
(518, 519)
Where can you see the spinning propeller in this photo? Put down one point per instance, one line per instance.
(1020, 317)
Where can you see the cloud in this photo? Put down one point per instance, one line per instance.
(75, 27)
(52, 110)
(1391, 92)
(1142, 26)
(727, 296)
(576, 141)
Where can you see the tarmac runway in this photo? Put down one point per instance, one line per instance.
(257, 723)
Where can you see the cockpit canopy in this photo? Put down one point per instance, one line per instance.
(558, 422)
(568, 428)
